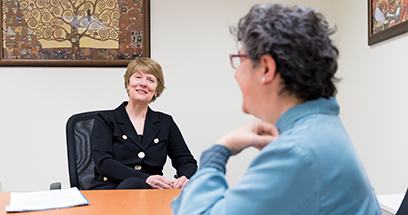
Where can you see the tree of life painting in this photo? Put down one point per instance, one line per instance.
(72, 29)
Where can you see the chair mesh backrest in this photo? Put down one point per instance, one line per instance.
(84, 161)
(80, 162)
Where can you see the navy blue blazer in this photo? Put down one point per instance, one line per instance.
(119, 153)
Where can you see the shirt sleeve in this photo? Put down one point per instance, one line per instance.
(215, 157)
(181, 158)
(280, 180)
(210, 179)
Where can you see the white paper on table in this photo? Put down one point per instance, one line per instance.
(45, 200)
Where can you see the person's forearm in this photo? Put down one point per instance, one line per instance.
(115, 170)
(188, 169)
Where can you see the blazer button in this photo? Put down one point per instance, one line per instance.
(105, 178)
(124, 137)
(141, 154)
(156, 140)
(138, 167)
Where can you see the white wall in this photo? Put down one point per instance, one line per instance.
(35, 105)
(191, 40)
(373, 97)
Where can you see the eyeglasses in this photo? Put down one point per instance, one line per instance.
(236, 59)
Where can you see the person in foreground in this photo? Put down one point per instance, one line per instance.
(130, 144)
(307, 163)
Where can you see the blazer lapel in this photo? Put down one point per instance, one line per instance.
(151, 127)
(126, 126)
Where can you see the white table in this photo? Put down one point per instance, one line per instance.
(390, 203)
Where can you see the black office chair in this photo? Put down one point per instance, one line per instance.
(81, 166)
(403, 209)
(80, 163)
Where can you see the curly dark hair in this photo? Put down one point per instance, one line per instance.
(298, 40)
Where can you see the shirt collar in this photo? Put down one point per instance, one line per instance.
(320, 105)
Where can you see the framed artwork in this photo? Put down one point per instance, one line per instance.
(74, 32)
(386, 19)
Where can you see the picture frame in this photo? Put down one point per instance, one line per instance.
(74, 33)
(386, 19)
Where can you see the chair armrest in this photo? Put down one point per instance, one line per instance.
(55, 186)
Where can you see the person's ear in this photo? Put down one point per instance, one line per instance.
(269, 68)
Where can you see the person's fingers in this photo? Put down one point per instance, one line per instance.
(159, 182)
(180, 182)
(184, 183)
(165, 180)
(267, 128)
(255, 133)
(266, 133)
(165, 186)
(164, 183)
(161, 185)
(264, 140)
(177, 183)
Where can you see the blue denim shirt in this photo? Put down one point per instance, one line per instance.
(311, 168)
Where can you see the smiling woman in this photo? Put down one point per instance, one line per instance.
(130, 144)
(143, 67)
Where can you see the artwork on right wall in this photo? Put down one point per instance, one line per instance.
(386, 19)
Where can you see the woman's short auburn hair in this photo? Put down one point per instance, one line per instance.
(149, 66)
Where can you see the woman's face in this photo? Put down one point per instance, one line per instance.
(142, 87)
(246, 77)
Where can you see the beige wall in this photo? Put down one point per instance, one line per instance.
(374, 97)
(191, 40)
